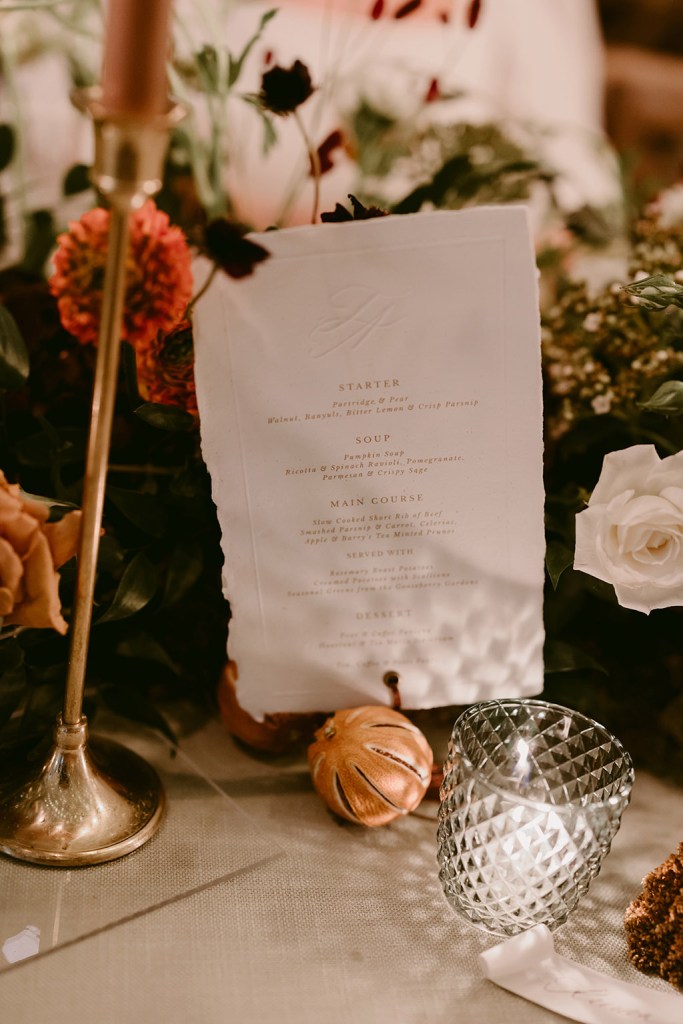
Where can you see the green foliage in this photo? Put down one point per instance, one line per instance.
(656, 292)
(667, 399)
(7, 145)
(14, 364)
(160, 619)
(165, 417)
(76, 179)
(452, 165)
(558, 557)
(139, 584)
(236, 64)
(39, 239)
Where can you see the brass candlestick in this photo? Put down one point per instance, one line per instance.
(93, 800)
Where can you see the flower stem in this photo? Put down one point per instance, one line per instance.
(202, 291)
(315, 165)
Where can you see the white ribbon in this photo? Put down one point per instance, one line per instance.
(529, 966)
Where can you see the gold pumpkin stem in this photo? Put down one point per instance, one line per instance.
(391, 680)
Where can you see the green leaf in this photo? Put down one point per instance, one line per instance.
(207, 66)
(667, 399)
(143, 510)
(235, 64)
(656, 292)
(12, 678)
(433, 191)
(184, 569)
(144, 647)
(269, 133)
(269, 129)
(40, 237)
(563, 657)
(138, 585)
(58, 509)
(14, 363)
(3, 223)
(558, 557)
(7, 145)
(591, 225)
(131, 704)
(76, 179)
(110, 556)
(67, 444)
(165, 417)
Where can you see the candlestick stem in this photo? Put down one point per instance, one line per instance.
(92, 800)
(104, 397)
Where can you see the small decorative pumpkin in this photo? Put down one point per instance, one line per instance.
(370, 764)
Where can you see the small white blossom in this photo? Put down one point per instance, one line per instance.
(592, 322)
(602, 403)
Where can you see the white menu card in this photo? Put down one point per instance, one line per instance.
(370, 403)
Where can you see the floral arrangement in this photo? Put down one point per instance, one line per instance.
(613, 363)
(613, 360)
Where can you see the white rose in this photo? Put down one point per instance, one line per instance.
(631, 534)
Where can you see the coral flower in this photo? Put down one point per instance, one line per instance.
(158, 275)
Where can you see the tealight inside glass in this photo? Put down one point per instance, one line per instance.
(532, 797)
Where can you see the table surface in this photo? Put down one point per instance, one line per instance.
(340, 924)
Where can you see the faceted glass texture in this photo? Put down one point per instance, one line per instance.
(531, 799)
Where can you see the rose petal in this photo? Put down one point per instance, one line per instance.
(625, 470)
(18, 527)
(648, 598)
(669, 473)
(40, 510)
(63, 537)
(11, 571)
(40, 606)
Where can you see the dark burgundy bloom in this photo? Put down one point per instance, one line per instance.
(433, 92)
(226, 245)
(360, 212)
(376, 11)
(285, 89)
(473, 13)
(333, 141)
(407, 8)
(165, 370)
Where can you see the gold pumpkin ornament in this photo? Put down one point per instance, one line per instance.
(370, 764)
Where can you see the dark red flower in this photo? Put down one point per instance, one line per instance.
(433, 92)
(407, 8)
(360, 212)
(165, 368)
(333, 141)
(285, 89)
(376, 10)
(473, 13)
(225, 244)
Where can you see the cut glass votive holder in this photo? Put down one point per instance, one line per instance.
(531, 799)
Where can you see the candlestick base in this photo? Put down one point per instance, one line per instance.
(89, 802)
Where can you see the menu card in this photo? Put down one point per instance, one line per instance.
(371, 417)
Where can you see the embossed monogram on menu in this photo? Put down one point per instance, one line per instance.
(359, 312)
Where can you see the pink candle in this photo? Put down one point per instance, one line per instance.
(134, 79)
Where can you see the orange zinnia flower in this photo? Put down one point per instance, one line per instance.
(159, 276)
